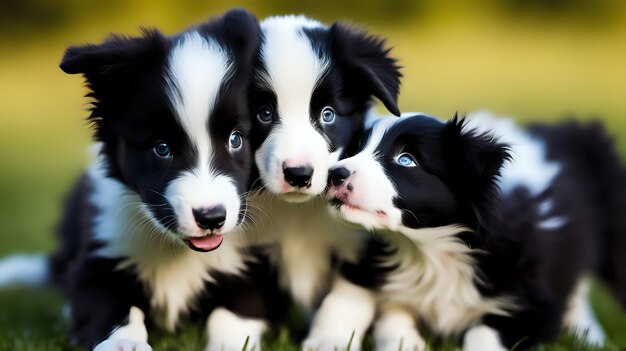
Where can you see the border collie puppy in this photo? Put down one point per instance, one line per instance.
(312, 89)
(168, 186)
(456, 256)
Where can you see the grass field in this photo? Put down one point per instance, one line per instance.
(454, 60)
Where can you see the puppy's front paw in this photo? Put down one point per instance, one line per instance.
(229, 332)
(122, 345)
(482, 338)
(329, 344)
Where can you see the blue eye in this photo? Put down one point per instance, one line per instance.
(235, 141)
(406, 160)
(328, 114)
(162, 150)
(265, 115)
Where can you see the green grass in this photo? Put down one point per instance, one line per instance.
(458, 58)
(31, 320)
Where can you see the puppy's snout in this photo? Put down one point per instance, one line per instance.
(338, 176)
(298, 176)
(210, 218)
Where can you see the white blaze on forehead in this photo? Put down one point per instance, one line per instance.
(197, 68)
(379, 126)
(293, 67)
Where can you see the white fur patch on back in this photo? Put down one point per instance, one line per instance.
(529, 166)
(24, 270)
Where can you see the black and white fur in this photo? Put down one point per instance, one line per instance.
(313, 87)
(454, 255)
(169, 183)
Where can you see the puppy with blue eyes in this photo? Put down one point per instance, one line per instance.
(169, 184)
(312, 88)
(484, 230)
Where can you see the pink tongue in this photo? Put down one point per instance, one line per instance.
(207, 243)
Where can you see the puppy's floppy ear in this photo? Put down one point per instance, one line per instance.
(115, 53)
(112, 70)
(368, 64)
(475, 161)
(239, 30)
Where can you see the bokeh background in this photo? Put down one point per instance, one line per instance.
(537, 60)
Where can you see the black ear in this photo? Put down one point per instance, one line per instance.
(239, 30)
(115, 54)
(243, 30)
(475, 160)
(368, 64)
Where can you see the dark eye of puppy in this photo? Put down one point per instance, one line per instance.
(328, 114)
(235, 141)
(162, 150)
(265, 114)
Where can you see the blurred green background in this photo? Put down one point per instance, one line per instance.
(537, 60)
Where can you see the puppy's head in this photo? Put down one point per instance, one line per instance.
(416, 172)
(312, 89)
(171, 115)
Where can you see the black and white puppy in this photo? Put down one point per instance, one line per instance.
(173, 166)
(455, 255)
(313, 87)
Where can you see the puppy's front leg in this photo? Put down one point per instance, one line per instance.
(106, 306)
(395, 330)
(132, 336)
(345, 313)
(228, 331)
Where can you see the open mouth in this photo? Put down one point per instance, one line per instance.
(205, 243)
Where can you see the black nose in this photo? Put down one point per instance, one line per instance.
(298, 176)
(337, 176)
(210, 218)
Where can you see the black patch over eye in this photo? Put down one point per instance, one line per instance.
(162, 150)
(328, 114)
(265, 114)
(235, 141)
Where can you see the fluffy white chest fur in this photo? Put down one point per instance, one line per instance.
(436, 280)
(305, 237)
(172, 273)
